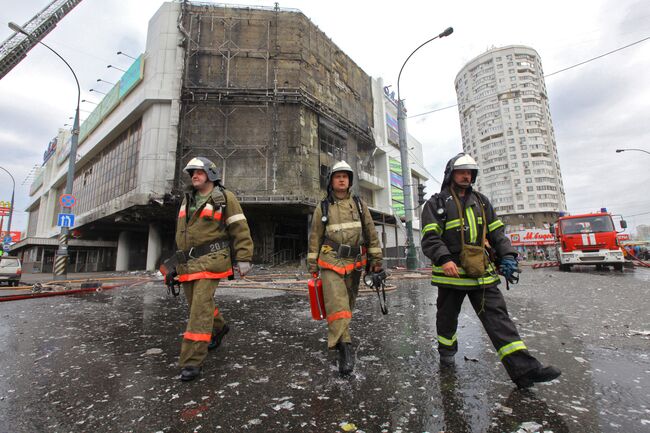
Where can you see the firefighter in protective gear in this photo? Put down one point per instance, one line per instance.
(453, 221)
(211, 227)
(342, 240)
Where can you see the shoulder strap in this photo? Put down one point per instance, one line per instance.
(219, 195)
(324, 209)
(357, 200)
(439, 207)
(482, 206)
(461, 216)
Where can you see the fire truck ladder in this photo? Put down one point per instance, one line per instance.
(15, 48)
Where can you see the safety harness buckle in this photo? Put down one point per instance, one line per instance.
(344, 250)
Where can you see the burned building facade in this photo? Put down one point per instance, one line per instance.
(264, 94)
(274, 103)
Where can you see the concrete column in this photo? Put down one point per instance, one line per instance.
(122, 260)
(154, 247)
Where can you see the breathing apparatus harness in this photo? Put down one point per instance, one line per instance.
(440, 211)
(168, 267)
(342, 249)
(374, 280)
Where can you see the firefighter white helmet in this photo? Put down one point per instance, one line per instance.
(465, 162)
(462, 161)
(201, 163)
(342, 166)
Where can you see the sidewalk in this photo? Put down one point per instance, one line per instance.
(31, 278)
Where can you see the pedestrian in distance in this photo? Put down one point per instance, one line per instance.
(456, 224)
(212, 231)
(341, 241)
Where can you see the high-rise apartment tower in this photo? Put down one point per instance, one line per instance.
(506, 126)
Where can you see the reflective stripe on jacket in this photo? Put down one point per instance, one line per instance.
(441, 237)
(344, 227)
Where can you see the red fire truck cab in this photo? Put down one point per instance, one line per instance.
(588, 239)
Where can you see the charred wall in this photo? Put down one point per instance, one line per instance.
(259, 89)
(274, 103)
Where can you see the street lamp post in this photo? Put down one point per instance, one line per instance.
(638, 150)
(411, 257)
(61, 261)
(13, 191)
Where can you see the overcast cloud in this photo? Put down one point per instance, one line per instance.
(595, 108)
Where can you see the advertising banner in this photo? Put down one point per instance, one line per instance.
(391, 122)
(531, 237)
(396, 185)
(131, 77)
(395, 165)
(128, 82)
(396, 180)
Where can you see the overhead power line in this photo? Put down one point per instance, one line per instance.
(597, 57)
(552, 73)
(637, 214)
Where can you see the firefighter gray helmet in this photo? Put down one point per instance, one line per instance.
(201, 163)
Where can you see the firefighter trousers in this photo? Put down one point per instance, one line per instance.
(204, 319)
(490, 306)
(340, 294)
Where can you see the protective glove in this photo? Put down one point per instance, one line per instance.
(244, 268)
(508, 267)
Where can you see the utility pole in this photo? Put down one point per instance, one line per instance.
(411, 256)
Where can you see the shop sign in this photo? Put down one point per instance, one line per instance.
(531, 237)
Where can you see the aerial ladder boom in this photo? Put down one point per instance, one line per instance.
(15, 48)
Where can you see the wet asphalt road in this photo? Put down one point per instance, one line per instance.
(107, 362)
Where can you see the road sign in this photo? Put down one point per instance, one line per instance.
(67, 200)
(5, 247)
(7, 239)
(65, 220)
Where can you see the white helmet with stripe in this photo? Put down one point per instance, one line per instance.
(342, 166)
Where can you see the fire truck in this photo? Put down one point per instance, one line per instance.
(588, 239)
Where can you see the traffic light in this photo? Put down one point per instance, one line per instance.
(421, 193)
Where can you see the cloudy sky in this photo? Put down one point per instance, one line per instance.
(596, 108)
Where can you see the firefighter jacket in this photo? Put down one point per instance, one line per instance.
(220, 218)
(441, 240)
(345, 227)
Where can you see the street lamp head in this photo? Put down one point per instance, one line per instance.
(620, 150)
(124, 54)
(91, 102)
(96, 91)
(115, 67)
(16, 28)
(447, 32)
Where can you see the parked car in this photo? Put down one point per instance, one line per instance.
(10, 270)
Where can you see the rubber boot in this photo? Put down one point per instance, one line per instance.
(190, 373)
(447, 361)
(542, 374)
(346, 358)
(217, 337)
